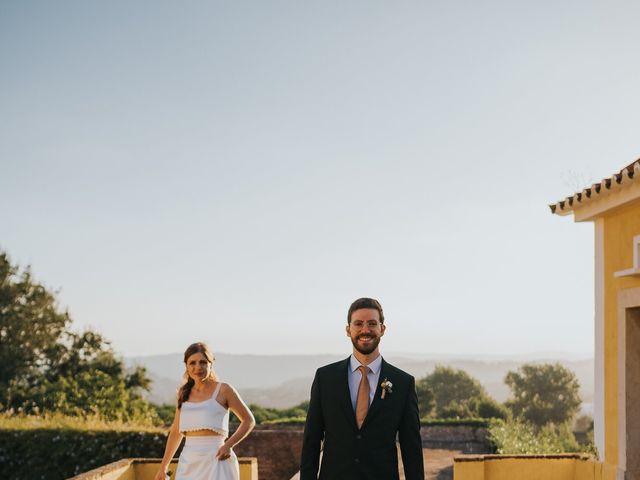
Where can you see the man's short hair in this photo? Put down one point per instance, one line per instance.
(365, 303)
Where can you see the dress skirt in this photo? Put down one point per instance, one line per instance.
(198, 460)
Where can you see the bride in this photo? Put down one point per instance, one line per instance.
(202, 416)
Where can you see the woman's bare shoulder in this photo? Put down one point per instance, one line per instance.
(227, 388)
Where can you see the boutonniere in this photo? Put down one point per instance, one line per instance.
(386, 387)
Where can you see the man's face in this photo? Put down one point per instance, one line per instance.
(365, 330)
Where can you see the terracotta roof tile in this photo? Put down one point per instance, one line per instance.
(597, 190)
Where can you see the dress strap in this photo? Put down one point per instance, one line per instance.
(216, 391)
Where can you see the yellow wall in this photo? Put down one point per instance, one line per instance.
(496, 467)
(248, 469)
(149, 470)
(468, 470)
(620, 226)
(511, 468)
(145, 469)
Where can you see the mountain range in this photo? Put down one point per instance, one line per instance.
(282, 381)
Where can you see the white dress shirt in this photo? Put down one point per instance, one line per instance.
(355, 376)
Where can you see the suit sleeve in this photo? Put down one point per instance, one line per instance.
(409, 436)
(313, 435)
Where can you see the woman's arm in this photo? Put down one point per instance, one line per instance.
(247, 422)
(173, 442)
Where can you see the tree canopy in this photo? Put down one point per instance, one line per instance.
(452, 393)
(46, 366)
(31, 324)
(542, 394)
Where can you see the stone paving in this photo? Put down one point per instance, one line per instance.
(438, 464)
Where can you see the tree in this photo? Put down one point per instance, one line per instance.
(455, 392)
(426, 399)
(31, 324)
(264, 414)
(543, 394)
(489, 408)
(45, 366)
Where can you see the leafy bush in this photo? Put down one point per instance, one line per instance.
(286, 421)
(489, 408)
(457, 410)
(61, 447)
(583, 423)
(466, 422)
(85, 394)
(267, 415)
(66, 422)
(165, 412)
(519, 437)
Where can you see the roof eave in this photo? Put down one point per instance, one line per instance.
(612, 192)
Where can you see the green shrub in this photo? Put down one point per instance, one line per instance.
(519, 437)
(489, 408)
(65, 422)
(61, 447)
(285, 421)
(465, 422)
(268, 414)
(165, 412)
(457, 410)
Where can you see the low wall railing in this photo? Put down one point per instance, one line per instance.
(146, 469)
(564, 466)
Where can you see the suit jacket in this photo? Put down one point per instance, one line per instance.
(349, 453)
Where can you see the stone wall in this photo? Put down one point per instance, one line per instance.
(467, 439)
(277, 448)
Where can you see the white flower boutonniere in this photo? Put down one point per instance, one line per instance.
(386, 387)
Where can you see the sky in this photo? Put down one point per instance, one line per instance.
(240, 172)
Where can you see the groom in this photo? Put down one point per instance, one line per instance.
(357, 407)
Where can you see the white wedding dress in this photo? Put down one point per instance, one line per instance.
(198, 457)
(198, 460)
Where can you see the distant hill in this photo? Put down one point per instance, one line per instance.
(259, 378)
(284, 380)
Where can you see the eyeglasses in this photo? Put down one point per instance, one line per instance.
(359, 324)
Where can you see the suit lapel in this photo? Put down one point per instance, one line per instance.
(377, 397)
(345, 394)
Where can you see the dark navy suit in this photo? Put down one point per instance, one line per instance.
(368, 453)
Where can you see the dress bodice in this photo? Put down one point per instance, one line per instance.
(205, 415)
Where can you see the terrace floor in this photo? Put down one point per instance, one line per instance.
(438, 464)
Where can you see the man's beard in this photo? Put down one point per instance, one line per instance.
(366, 350)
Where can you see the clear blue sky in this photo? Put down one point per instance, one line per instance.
(241, 171)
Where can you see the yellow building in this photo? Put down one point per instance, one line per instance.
(613, 205)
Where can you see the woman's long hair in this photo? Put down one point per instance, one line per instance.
(185, 389)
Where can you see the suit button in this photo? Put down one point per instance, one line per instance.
(358, 437)
(357, 460)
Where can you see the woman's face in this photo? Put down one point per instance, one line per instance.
(198, 367)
